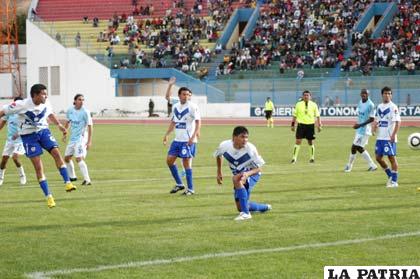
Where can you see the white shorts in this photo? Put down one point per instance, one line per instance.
(11, 148)
(361, 140)
(76, 149)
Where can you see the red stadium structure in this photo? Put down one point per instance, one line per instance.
(9, 50)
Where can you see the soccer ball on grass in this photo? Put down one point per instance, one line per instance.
(414, 141)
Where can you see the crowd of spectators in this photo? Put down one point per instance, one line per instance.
(175, 38)
(397, 48)
(299, 33)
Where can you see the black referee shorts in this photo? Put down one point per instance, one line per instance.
(268, 114)
(305, 131)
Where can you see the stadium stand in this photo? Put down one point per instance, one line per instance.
(290, 39)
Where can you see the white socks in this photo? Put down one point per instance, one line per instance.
(84, 170)
(367, 157)
(352, 157)
(21, 171)
(70, 169)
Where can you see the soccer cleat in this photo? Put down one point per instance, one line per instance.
(312, 161)
(243, 216)
(50, 202)
(70, 187)
(269, 207)
(86, 183)
(188, 193)
(392, 185)
(177, 188)
(389, 182)
(347, 168)
(22, 180)
(293, 161)
(73, 179)
(372, 168)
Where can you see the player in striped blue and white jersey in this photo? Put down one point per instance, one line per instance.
(245, 164)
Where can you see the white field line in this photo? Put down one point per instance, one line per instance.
(138, 264)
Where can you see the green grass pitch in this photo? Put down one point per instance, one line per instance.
(128, 215)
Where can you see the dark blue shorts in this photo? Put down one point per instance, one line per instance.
(35, 142)
(250, 184)
(385, 147)
(182, 149)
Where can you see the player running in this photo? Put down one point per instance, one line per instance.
(13, 146)
(33, 113)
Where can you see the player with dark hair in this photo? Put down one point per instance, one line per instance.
(81, 125)
(186, 121)
(387, 124)
(33, 114)
(13, 146)
(366, 115)
(245, 164)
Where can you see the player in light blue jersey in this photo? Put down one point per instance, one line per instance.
(81, 127)
(366, 115)
(33, 114)
(13, 146)
(245, 164)
(186, 122)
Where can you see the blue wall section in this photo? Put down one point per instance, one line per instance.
(386, 10)
(239, 15)
(252, 21)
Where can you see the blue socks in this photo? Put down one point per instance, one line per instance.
(64, 174)
(188, 173)
(242, 196)
(388, 172)
(394, 176)
(175, 174)
(44, 187)
(260, 207)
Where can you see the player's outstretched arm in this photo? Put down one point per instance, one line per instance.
(171, 82)
(170, 129)
(219, 176)
(55, 120)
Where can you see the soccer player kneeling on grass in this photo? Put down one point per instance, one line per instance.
(33, 113)
(186, 121)
(245, 163)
